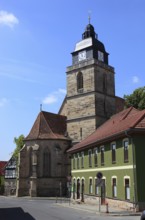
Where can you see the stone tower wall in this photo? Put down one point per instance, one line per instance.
(88, 108)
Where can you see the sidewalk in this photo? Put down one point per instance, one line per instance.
(95, 208)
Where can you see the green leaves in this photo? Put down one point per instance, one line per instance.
(136, 99)
(19, 144)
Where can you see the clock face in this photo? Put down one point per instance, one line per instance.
(82, 55)
(100, 56)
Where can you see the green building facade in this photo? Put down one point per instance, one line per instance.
(116, 150)
(112, 161)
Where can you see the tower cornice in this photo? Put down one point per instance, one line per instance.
(87, 64)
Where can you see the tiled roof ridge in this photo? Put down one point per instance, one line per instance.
(39, 119)
(113, 117)
(140, 117)
(47, 123)
(50, 113)
(127, 112)
(125, 120)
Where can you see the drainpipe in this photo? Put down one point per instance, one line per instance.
(134, 169)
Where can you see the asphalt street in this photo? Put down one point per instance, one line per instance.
(12, 208)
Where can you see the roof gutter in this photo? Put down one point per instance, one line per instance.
(110, 138)
(98, 142)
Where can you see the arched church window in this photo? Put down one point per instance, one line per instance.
(46, 163)
(80, 82)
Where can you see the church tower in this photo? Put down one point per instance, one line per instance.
(90, 87)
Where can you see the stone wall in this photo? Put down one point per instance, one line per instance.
(91, 106)
(34, 177)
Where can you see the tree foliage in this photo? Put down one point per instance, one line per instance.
(19, 144)
(136, 99)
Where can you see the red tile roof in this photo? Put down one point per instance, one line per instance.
(48, 126)
(127, 119)
(2, 166)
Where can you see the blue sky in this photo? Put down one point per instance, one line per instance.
(36, 39)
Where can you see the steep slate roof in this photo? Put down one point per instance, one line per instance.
(48, 126)
(129, 119)
(2, 167)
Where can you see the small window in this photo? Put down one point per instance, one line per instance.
(74, 161)
(90, 157)
(96, 188)
(78, 161)
(82, 159)
(90, 186)
(80, 82)
(127, 189)
(96, 157)
(113, 149)
(114, 187)
(102, 155)
(125, 145)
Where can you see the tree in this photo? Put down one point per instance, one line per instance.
(136, 99)
(19, 144)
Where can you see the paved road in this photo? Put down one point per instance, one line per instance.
(43, 209)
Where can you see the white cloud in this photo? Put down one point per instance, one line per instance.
(54, 96)
(135, 79)
(63, 91)
(3, 102)
(8, 19)
(50, 99)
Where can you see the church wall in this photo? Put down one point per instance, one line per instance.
(63, 108)
(51, 186)
(89, 107)
(34, 177)
(105, 105)
(25, 158)
(88, 79)
(80, 129)
(23, 187)
(104, 79)
(81, 106)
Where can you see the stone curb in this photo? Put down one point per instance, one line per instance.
(98, 213)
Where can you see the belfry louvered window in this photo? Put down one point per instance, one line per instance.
(80, 82)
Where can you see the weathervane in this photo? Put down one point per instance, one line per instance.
(40, 107)
(89, 16)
